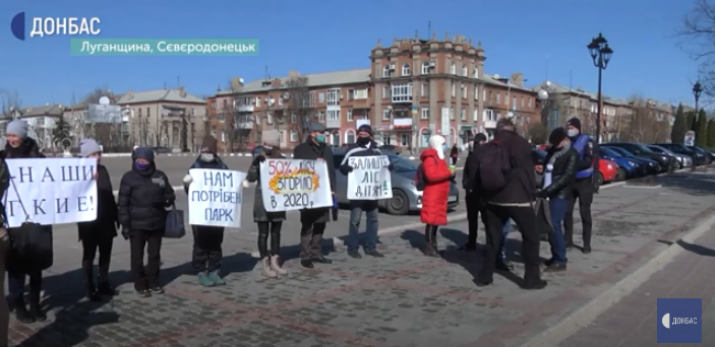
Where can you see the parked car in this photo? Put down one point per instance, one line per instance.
(608, 170)
(683, 160)
(405, 196)
(653, 167)
(698, 158)
(627, 167)
(708, 156)
(667, 162)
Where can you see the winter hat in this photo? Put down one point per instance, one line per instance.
(480, 137)
(17, 127)
(209, 145)
(88, 146)
(272, 138)
(143, 153)
(317, 127)
(366, 128)
(575, 122)
(436, 142)
(557, 135)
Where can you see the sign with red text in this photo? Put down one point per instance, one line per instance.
(295, 184)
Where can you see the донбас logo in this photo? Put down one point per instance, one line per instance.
(680, 320)
(17, 26)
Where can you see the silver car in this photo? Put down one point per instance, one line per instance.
(683, 160)
(405, 196)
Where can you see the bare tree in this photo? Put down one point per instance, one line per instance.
(698, 40)
(644, 124)
(300, 103)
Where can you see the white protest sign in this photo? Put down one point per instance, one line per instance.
(52, 190)
(215, 197)
(370, 178)
(295, 184)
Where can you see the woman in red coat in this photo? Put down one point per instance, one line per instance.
(437, 177)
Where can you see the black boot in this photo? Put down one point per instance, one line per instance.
(434, 238)
(90, 290)
(430, 249)
(586, 242)
(35, 308)
(106, 289)
(22, 315)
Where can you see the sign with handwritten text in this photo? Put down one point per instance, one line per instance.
(295, 184)
(51, 191)
(370, 178)
(215, 197)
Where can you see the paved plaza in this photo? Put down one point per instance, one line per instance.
(404, 299)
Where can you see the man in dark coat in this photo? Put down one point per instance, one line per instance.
(207, 255)
(313, 220)
(471, 197)
(4, 248)
(19, 145)
(99, 234)
(364, 147)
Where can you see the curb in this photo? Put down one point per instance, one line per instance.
(578, 320)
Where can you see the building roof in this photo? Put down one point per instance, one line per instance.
(493, 81)
(159, 95)
(47, 110)
(314, 80)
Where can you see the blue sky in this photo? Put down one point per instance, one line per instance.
(319, 35)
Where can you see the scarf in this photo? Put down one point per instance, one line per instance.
(558, 154)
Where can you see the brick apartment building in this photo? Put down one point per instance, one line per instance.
(413, 88)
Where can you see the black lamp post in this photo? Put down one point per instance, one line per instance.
(601, 55)
(697, 90)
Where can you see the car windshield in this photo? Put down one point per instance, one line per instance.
(643, 148)
(622, 152)
(402, 164)
(660, 149)
(698, 149)
(607, 151)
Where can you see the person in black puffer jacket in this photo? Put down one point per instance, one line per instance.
(144, 195)
(18, 146)
(207, 254)
(98, 235)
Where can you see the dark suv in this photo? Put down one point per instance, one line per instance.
(668, 163)
(698, 158)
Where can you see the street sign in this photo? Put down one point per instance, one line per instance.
(689, 138)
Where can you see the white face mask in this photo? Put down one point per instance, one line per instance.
(206, 157)
(572, 132)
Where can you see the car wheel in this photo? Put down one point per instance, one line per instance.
(399, 204)
(621, 174)
(599, 179)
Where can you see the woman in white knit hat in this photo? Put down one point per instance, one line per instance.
(269, 223)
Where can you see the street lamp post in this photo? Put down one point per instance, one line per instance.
(697, 90)
(601, 55)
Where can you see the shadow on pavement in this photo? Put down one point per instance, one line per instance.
(690, 183)
(71, 325)
(697, 249)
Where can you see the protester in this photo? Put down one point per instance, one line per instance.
(454, 154)
(437, 178)
(144, 195)
(4, 248)
(559, 174)
(19, 145)
(98, 235)
(583, 187)
(364, 147)
(507, 160)
(313, 220)
(269, 223)
(472, 197)
(207, 254)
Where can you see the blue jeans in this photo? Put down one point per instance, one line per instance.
(558, 243)
(371, 213)
(505, 233)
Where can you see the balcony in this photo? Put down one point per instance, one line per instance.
(244, 125)
(245, 108)
(402, 93)
(490, 124)
(332, 124)
(402, 123)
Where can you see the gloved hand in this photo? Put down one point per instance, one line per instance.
(188, 179)
(390, 167)
(541, 194)
(258, 160)
(125, 233)
(346, 169)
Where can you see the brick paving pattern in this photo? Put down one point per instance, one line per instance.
(404, 299)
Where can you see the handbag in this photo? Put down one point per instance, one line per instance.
(31, 241)
(174, 224)
(544, 225)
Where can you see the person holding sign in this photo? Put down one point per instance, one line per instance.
(207, 254)
(144, 195)
(19, 145)
(437, 177)
(365, 147)
(98, 235)
(269, 223)
(313, 220)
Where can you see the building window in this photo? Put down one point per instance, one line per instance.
(464, 70)
(336, 139)
(350, 137)
(321, 116)
(140, 112)
(425, 113)
(402, 92)
(321, 97)
(498, 98)
(333, 97)
(293, 118)
(258, 101)
(453, 69)
(425, 138)
(351, 92)
(475, 116)
(333, 115)
(360, 94)
(293, 136)
(489, 116)
(451, 113)
(464, 90)
(426, 67)
(454, 90)
(425, 89)
(386, 71)
(405, 140)
(476, 72)
(513, 102)
(386, 114)
(280, 101)
(406, 69)
(385, 92)
(386, 139)
(523, 103)
(463, 114)
(350, 115)
(484, 95)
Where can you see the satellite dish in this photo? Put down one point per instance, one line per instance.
(240, 80)
(496, 76)
(104, 100)
(548, 83)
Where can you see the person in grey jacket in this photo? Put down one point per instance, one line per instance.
(269, 223)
